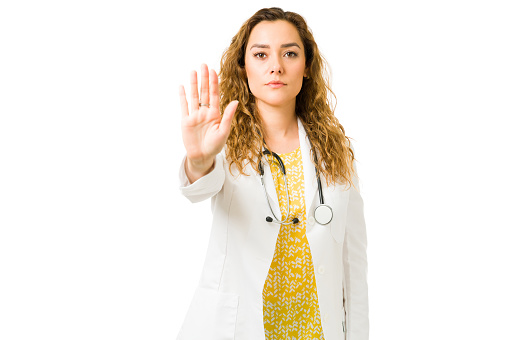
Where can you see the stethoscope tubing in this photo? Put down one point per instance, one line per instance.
(323, 213)
(283, 170)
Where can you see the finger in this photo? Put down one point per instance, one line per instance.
(183, 102)
(228, 114)
(204, 92)
(194, 91)
(214, 91)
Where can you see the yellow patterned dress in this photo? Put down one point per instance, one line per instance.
(290, 301)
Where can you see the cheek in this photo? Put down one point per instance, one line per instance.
(251, 73)
(253, 79)
(300, 70)
(299, 74)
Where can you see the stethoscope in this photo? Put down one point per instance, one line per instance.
(322, 213)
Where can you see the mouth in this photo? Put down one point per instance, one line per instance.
(275, 84)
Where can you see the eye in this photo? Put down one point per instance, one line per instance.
(259, 55)
(291, 54)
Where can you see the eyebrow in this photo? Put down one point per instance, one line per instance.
(282, 46)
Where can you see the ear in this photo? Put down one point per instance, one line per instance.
(306, 73)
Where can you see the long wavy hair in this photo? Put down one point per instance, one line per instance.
(334, 156)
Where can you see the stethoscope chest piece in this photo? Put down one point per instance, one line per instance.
(323, 214)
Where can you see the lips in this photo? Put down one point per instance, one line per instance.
(275, 84)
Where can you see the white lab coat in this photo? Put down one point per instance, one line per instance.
(228, 302)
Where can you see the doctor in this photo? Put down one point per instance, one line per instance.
(287, 251)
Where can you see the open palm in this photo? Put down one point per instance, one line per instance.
(204, 131)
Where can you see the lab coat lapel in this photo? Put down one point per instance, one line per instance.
(310, 183)
(268, 180)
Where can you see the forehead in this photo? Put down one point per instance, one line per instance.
(274, 33)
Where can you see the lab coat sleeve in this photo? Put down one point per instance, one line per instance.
(355, 266)
(205, 187)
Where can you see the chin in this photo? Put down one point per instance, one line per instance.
(277, 99)
(275, 102)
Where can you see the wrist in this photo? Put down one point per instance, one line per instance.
(197, 168)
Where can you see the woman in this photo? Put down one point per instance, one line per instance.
(287, 252)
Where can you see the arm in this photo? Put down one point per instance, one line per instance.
(204, 131)
(355, 267)
(206, 186)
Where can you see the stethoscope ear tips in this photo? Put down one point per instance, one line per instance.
(268, 219)
(295, 220)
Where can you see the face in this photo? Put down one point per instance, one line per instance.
(275, 63)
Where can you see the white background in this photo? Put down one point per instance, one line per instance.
(96, 241)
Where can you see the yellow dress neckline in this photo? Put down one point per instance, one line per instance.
(287, 154)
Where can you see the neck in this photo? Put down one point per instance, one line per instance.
(281, 129)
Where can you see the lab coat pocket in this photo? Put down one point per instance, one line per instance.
(212, 315)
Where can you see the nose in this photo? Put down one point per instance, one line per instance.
(276, 68)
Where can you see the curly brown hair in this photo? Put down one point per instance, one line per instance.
(314, 106)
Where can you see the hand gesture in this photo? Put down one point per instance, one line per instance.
(203, 131)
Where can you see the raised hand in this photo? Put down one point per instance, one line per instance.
(203, 131)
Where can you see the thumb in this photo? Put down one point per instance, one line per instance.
(228, 114)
